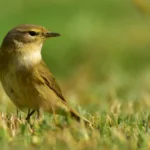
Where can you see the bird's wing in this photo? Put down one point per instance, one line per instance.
(42, 75)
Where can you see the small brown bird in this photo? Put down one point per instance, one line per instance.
(25, 77)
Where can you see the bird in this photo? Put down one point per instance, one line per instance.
(25, 77)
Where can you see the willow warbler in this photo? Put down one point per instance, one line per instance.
(25, 77)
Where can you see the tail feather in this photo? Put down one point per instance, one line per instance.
(76, 116)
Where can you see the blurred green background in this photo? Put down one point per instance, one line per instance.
(104, 50)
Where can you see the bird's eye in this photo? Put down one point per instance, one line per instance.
(33, 33)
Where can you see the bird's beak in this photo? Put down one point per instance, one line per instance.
(51, 34)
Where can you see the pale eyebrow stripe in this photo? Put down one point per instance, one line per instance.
(27, 31)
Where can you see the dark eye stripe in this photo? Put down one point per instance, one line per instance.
(33, 33)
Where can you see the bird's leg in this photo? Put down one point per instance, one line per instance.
(38, 114)
(17, 112)
(29, 114)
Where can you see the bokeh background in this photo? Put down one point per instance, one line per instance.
(103, 53)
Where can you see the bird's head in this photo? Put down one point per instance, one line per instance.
(23, 44)
(27, 35)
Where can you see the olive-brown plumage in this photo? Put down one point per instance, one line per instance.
(25, 77)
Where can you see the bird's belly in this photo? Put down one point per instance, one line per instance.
(19, 91)
(26, 94)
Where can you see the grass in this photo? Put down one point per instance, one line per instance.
(120, 125)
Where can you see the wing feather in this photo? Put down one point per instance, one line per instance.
(42, 75)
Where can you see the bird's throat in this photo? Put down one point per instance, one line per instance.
(29, 58)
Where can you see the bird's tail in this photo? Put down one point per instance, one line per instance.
(77, 116)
